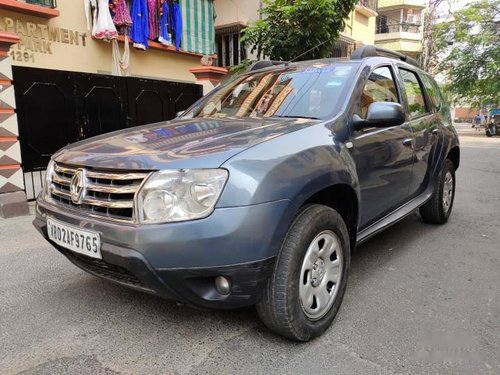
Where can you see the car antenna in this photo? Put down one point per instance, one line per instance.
(309, 50)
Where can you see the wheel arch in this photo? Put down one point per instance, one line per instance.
(454, 156)
(343, 199)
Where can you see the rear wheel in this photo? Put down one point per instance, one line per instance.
(306, 289)
(438, 209)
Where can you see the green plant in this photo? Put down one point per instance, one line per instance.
(242, 67)
(298, 29)
(468, 53)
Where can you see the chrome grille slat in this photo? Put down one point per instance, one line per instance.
(61, 169)
(113, 189)
(108, 195)
(61, 180)
(108, 204)
(60, 193)
(116, 176)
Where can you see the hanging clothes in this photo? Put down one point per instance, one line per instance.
(140, 27)
(90, 7)
(122, 16)
(121, 64)
(153, 19)
(177, 24)
(112, 7)
(122, 20)
(104, 28)
(165, 37)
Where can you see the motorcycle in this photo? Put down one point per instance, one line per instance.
(493, 128)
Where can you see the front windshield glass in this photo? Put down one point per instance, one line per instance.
(311, 91)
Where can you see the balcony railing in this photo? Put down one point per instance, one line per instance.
(383, 4)
(398, 27)
(44, 3)
(372, 4)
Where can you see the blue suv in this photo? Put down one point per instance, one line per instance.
(260, 192)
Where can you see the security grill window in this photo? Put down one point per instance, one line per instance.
(230, 50)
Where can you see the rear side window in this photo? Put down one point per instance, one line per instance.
(432, 91)
(380, 87)
(414, 94)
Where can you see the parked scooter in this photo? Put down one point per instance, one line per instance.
(492, 129)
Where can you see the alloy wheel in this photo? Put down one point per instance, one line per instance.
(320, 275)
(447, 191)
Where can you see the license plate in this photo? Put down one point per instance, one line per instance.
(79, 240)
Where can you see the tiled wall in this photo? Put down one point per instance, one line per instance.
(11, 177)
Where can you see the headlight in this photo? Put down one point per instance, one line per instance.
(48, 180)
(179, 195)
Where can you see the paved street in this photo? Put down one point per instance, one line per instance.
(421, 299)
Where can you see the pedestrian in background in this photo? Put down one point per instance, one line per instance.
(477, 122)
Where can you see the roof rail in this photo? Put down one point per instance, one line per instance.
(371, 51)
(265, 64)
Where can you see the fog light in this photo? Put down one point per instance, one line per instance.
(222, 285)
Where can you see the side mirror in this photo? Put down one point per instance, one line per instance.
(381, 115)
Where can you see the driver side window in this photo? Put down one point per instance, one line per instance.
(380, 87)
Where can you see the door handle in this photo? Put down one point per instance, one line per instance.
(407, 142)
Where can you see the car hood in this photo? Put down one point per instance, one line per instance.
(177, 144)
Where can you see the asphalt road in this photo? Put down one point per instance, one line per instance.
(421, 300)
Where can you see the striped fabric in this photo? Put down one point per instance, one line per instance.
(198, 34)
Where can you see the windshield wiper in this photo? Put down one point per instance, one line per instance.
(306, 117)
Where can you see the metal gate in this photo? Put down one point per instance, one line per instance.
(55, 108)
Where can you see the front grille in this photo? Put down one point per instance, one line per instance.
(109, 195)
(106, 270)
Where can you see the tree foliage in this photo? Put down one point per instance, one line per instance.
(292, 28)
(468, 53)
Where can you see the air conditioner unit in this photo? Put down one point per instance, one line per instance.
(412, 18)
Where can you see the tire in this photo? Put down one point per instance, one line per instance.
(295, 277)
(438, 209)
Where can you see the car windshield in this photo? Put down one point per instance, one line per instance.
(311, 91)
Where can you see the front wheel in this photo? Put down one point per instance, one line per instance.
(306, 289)
(438, 209)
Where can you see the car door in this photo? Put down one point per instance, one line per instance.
(383, 156)
(424, 124)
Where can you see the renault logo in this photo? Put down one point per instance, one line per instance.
(78, 186)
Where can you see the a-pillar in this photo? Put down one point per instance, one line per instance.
(12, 196)
(208, 76)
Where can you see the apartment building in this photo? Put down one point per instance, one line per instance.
(399, 26)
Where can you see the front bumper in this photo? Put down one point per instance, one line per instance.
(180, 261)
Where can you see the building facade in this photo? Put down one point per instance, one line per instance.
(60, 38)
(399, 26)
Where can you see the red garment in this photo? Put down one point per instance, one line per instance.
(122, 15)
(154, 26)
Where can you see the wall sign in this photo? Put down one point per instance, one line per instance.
(38, 38)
